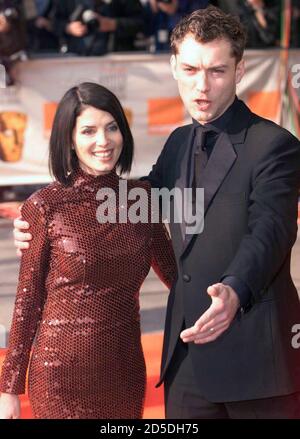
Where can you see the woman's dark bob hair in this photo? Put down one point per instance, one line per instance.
(62, 159)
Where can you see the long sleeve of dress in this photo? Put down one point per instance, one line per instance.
(163, 259)
(29, 299)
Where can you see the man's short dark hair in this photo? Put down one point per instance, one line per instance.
(210, 24)
(62, 158)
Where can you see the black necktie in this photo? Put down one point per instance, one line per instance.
(200, 154)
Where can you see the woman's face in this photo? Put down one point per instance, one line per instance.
(98, 141)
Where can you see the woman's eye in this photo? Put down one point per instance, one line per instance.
(113, 128)
(87, 131)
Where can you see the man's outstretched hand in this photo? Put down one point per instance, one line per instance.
(217, 318)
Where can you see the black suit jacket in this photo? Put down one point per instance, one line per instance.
(251, 186)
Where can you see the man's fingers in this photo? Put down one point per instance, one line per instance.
(220, 320)
(21, 245)
(20, 224)
(189, 334)
(216, 290)
(203, 326)
(205, 319)
(196, 335)
(212, 333)
(21, 236)
(213, 290)
(19, 253)
(214, 317)
(211, 337)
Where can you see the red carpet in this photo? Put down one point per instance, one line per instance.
(152, 344)
(154, 406)
(10, 209)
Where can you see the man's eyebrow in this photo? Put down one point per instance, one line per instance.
(217, 66)
(184, 64)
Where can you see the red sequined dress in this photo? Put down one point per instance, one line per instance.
(78, 295)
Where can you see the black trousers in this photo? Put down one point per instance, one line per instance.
(183, 399)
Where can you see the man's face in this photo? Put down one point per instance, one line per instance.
(207, 75)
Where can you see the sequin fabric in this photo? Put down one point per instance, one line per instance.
(78, 297)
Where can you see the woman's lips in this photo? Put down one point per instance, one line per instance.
(104, 155)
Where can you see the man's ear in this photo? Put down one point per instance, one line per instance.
(239, 71)
(173, 63)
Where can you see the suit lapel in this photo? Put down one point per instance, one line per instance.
(219, 164)
(183, 178)
(222, 159)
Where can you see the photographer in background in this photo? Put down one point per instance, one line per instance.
(95, 27)
(12, 34)
(167, 6)
(295, 25)
(163, 15)
(261, 19)
(41, 38)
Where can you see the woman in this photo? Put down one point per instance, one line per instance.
(79, 281)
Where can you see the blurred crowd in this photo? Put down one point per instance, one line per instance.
(31, 28)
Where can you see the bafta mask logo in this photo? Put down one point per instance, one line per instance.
(12, 129)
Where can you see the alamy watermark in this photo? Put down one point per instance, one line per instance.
(2, 76)
(137, 205)
(296, 337)
(296, 75)
(2, 336)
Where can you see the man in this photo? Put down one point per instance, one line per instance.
(261, 19)
(161, 18)
(12, 34)
(228, 350)
(94, 27)
(295, 25)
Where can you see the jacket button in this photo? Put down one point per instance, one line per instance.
(186, 277)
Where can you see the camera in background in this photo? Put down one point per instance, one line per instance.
(88, 17)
